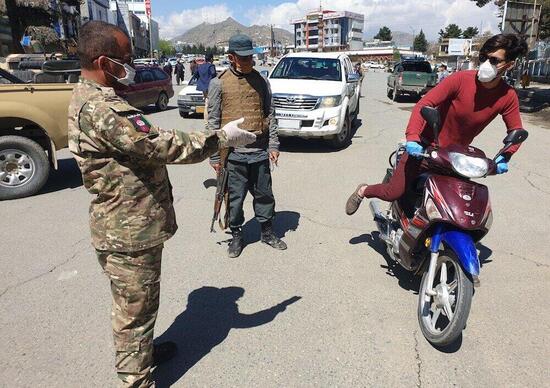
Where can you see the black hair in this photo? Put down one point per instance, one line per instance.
(97, 38)
(443, 66)
(513, 45)
(209, 57)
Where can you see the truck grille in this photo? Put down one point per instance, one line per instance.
(295, 102)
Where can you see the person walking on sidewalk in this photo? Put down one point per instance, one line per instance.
(123, 160)
(241, 91)
(205, 73)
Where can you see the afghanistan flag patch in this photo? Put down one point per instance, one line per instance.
(140, 123)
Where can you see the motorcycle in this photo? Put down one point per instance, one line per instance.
(432, 230)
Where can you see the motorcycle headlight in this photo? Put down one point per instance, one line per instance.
(330, 101)
(469, 166)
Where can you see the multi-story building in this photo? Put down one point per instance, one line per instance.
(325, 30)
(95, 10)
(137, 7)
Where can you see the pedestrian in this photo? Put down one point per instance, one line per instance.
(123, 160)
(168, 69)
(442, 73)
(478, 96)
(242, 91)
(193, 67)
(205, 72)
(179, 71)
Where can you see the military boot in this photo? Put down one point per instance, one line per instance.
(269, 238)
(237, 243)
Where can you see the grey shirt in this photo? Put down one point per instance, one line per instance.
(242, 154)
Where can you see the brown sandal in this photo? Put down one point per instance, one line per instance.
(354, 201)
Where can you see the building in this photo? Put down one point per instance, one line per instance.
(155, 34)
(325, 30)
(137, 7)
(95, 10)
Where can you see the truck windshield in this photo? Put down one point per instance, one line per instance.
(419, 67)
(323, 69)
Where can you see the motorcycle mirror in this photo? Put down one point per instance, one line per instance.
(432, 117)
(516, 136)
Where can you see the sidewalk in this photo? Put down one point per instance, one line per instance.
(534, 98)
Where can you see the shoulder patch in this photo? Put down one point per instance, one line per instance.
(139, 122)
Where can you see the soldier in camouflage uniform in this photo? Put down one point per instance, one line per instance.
(122, 158)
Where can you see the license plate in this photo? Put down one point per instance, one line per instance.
(289, 124)
(199, 109)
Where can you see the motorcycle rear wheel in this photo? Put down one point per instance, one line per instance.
(443, 317)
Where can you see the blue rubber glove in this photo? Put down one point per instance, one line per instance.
(414, 149)
(502, 165)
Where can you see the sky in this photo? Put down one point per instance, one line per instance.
(176, 17)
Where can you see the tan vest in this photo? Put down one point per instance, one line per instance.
(243, 97)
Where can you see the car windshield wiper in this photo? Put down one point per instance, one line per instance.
(308, 77)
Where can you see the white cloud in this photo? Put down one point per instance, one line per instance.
(402, 15)
(179, 22)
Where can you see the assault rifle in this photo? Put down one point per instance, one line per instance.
(221, 191)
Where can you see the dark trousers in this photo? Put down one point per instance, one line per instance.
(405, 174)
(256, 179)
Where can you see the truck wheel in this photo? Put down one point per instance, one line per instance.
(162, 102)
(24, 167)
(184, 114)
(343, 139)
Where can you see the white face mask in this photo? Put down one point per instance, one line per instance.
(487, 72)
(128, 79)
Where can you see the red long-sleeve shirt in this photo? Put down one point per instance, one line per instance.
(466, 108)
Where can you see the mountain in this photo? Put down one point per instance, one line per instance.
(218, 34)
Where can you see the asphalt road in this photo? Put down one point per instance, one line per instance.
(355, 324)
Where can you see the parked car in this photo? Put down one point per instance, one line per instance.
(146, 61)
(412, 77)
(316, 95)
(33, 126)
(190, 100)
(152, 86)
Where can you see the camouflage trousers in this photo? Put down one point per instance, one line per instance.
(135, 287)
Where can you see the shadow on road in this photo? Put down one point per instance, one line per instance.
(285, 221)
(67, 176)
(406, 279)
(210, 315)
(151, 109)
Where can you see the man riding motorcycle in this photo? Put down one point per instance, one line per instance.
(467, 101)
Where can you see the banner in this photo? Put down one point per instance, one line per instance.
(460, 47)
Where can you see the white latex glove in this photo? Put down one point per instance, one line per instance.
(237, 137)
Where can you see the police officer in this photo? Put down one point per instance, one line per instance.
(241, 91)
(122, 158)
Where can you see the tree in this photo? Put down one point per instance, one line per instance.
(166, 48)
(396, 54)
(420, 43)
(452, 31)
(470, 32)
(384, 34)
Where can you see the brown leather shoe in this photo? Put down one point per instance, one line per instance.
(354, 201)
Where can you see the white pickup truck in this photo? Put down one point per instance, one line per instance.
(316, 95)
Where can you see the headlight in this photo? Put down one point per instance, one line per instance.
(469, 166)
(330, 101)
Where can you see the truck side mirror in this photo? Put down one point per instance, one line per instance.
(354, 77)
(432, 117)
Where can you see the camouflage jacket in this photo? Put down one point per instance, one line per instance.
(122, 159)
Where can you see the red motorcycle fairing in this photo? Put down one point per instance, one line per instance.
(461, 203)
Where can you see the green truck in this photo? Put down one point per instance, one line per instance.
(412, 77)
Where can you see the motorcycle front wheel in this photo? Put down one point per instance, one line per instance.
(442, 317)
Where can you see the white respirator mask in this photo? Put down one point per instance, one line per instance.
(487, 72)
(130, 76)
